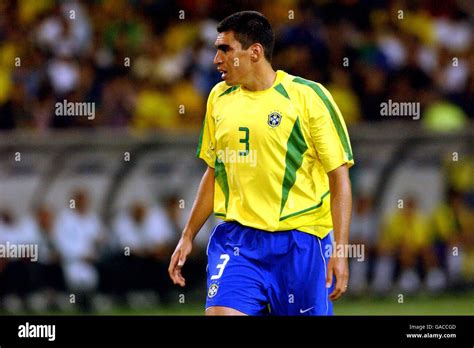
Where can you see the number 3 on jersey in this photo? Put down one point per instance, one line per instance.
(221, 266)
(245, 141)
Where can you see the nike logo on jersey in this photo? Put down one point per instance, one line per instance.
(306, 310)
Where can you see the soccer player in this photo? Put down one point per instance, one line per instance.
(278, 154)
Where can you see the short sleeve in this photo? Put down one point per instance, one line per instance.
(207, 140)
(328, 130)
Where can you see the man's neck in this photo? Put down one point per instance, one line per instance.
(261, 79)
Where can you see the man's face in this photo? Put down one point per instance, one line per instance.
(231, 60)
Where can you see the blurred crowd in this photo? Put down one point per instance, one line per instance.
(79, 254)
(148, 64)
(123, 260)
(411, 250)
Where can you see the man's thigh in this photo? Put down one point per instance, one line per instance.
(234, 278)
(298, 280)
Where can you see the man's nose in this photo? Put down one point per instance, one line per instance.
(217, 58)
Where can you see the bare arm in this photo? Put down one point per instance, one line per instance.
(341, 207)
(202, 208)
(203, 205)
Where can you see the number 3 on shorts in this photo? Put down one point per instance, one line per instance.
(221, 266)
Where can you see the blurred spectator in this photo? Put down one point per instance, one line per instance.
(118, 101)
(364, 231)
(78, 234)
(407, 240)
(200, 60)
(459, 172)
(145, 236)
(372, 91)
(453, 224)
(15, 271)
(343, 95)
(154, 109)
(47, 273)
(63, 72)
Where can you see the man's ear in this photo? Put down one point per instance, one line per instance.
(256, 52)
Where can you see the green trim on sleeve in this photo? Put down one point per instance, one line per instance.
(335, 118)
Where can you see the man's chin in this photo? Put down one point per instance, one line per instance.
(229, 82)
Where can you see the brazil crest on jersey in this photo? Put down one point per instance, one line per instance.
(271, 151)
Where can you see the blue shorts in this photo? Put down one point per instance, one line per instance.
(260, 273)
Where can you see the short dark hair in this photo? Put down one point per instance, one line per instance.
(250, 27)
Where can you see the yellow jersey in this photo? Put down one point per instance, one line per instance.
(271, 151)
(405, 231)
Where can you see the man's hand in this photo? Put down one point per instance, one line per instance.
(183, 249)
(339, 267)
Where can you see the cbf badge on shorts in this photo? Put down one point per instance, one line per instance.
(274, 119)
(212, 290)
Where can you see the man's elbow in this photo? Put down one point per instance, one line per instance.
(339, 176)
